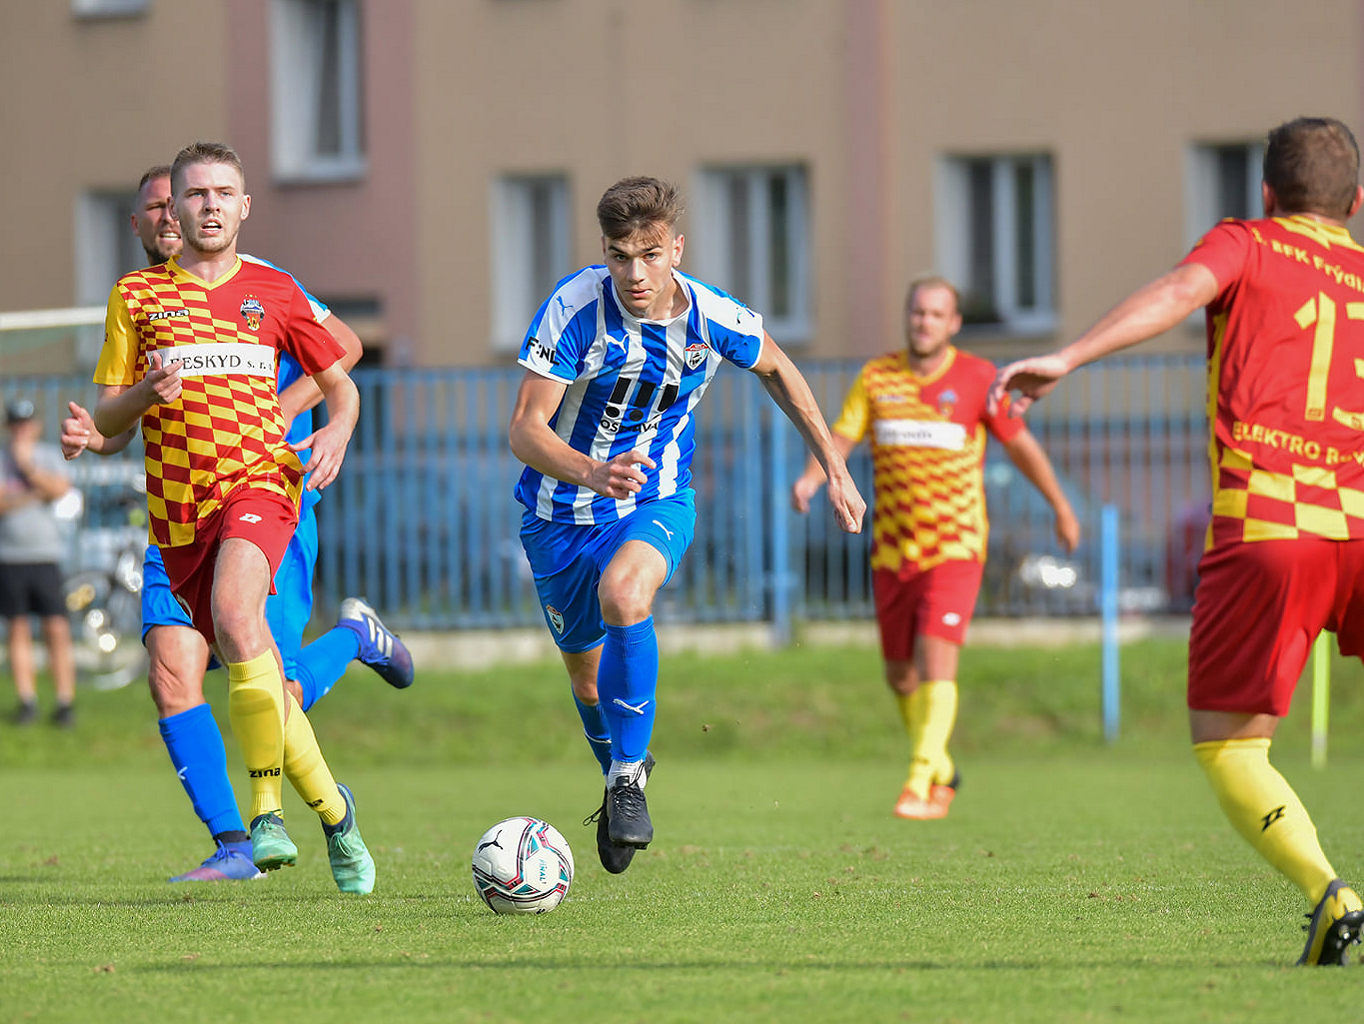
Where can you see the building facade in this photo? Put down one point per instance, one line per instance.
(431, 168)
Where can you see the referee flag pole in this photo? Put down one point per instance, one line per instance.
(1321, 697)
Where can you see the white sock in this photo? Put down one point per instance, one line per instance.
(632, 770)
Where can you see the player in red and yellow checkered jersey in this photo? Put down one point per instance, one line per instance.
(191, 351)
(924, 411)
(1285, 552)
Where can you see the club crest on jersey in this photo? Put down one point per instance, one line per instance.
(556, 618)
(252, 312)
(947, 401)
(695, 354)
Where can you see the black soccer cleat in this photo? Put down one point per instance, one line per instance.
(627, 815)
(614, 857)
(1333, 927)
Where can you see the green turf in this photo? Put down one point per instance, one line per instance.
(1072, 882)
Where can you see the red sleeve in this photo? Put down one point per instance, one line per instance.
(1002, 425)
(311, 344)
(1223, 250)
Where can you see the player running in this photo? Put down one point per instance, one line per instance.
(1285, 552)
(190, 350)
(616, 361)
(924, 411)
(178, 654)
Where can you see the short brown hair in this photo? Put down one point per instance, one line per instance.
(151, 174)
(932, 281)
(1312, 164)
(633, 204)
(204, 153)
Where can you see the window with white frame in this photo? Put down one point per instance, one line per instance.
(753, 227)
(108, 8)
(315, 96)
(531, 250)
(994, 219)
(1221, 180)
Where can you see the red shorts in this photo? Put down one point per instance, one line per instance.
(936, 602)
(1257, 610)
(265, 518)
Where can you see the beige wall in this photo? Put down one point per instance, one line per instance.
(866, 93)
(348, 240)
(89, 104)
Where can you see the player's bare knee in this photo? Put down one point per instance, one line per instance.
(173, 689)
(901, 677)
(626, 601)
(585, 690)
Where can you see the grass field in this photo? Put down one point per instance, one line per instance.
(1072, 882)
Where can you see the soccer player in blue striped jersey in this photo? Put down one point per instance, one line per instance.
(616, 361)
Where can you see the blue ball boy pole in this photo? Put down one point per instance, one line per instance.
(1108, 611)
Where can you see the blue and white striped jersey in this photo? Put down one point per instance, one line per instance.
(631, 384)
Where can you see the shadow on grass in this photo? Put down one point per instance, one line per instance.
(646, 968)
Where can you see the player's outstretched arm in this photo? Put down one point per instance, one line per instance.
(807, 485)
(793, 396)
(1150, 310)
(1025, 453)
(328, 445)
(535, 443)
(79, 434)
(304, 394)
(121, 406)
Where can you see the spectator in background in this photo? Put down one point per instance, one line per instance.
(31, 550)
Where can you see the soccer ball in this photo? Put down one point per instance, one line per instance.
(522, 866)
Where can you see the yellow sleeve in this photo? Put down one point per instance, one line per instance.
(853, 421)
(118, 358)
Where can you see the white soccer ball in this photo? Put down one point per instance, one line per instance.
(522, 866)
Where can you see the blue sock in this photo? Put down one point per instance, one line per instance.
(596, 731)
(626, 681)
(195, 745)
(319, 665)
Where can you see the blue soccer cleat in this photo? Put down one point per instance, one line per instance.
(226, 864)
(380, 647)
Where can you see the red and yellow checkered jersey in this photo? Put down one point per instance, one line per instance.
(1285, 380)
(225, 430)
(927, 451)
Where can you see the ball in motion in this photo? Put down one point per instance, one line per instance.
(522, 866)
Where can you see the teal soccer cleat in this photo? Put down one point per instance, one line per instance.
(271, 846)
(352, 866)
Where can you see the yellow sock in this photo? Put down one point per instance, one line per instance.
(1263, 807)
(306, 768)
(933, 713)
(255, 707)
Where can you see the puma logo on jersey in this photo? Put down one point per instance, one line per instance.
(664, 529)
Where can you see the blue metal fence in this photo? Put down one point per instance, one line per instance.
(422, 520)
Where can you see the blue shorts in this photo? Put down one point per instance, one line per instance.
(567, 561)
(287, 610)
